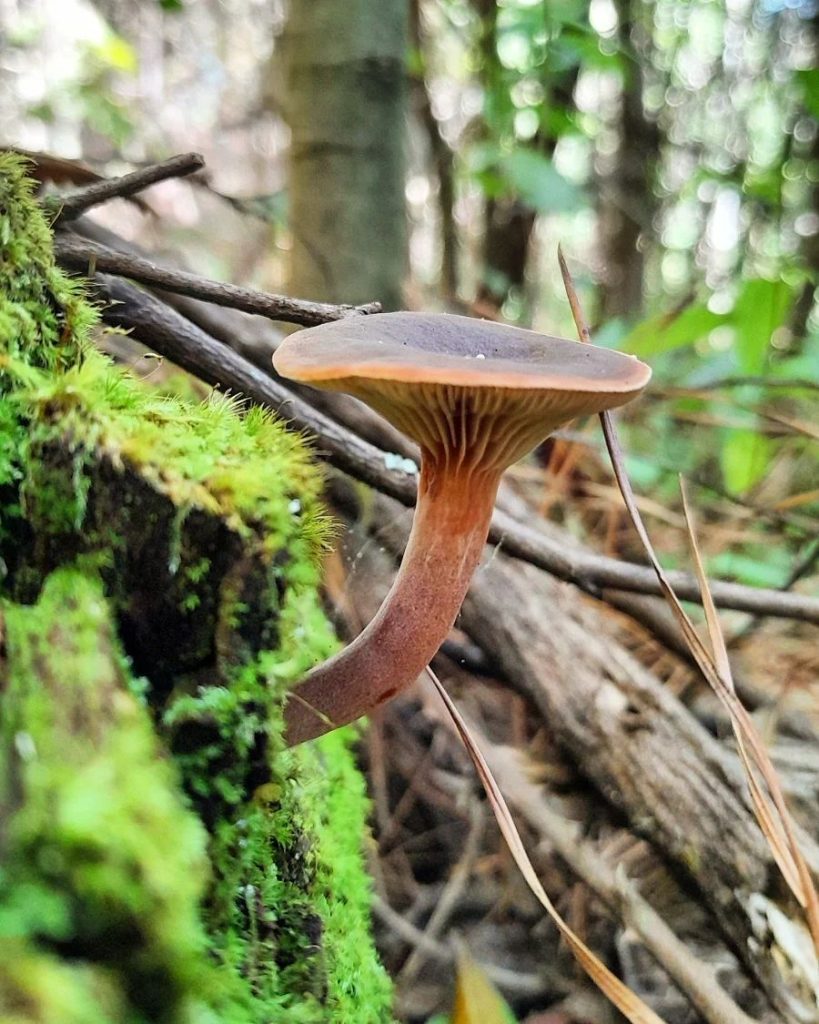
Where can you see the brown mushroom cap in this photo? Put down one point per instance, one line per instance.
(462, 388)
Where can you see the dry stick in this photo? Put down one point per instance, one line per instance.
(72, 205)
(452, 892)
(165, 331)
(79, 255)
(710, 665)
(694, 977)
(171, 335)
(790, 384)
(512, 982)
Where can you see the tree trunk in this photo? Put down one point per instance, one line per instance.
(343, 94)
(509, 221)
(627, 199)
(806, 300)
(443, 162)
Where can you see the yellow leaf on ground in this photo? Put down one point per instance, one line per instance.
(477, 1001)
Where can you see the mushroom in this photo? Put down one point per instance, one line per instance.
(476, 396)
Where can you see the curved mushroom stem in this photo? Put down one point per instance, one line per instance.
(448, 535)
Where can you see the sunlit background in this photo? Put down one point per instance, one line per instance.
(671, 147)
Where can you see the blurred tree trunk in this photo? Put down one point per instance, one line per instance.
(342, 91)
(443, 161)
(508, 221)
(626, 197)
(508, 226)
(810, 243)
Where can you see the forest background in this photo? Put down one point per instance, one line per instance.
(671, 148)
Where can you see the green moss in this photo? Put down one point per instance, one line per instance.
(185, 537)
(38, 988)
(335, 799)
(101, 856)
(202, 456)
(44, 318)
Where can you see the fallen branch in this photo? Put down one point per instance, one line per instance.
(69, 207)
(166, 332)
(644, 751)
(75, 254)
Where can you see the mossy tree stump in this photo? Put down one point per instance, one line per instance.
(162, 857)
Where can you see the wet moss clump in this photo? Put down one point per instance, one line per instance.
(165, 859)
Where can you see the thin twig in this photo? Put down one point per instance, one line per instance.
(512, 982)
(79, 255)
(452, 892)
(70, 206)
(786, 383)
(166, 332)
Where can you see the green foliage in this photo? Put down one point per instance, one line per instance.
(760, 312)
(526, 174)
(760, 309)
(744, 458)
(665, 332)
(808, 79)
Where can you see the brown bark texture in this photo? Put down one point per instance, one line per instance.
(626, 196)
(342, 90)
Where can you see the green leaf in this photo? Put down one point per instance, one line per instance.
(534, 178)
(765, 186)
(761, 307)
(477, 1001)
(751, 569)
(744, 458)
(809, 80)
(115, 53)
(666, 332)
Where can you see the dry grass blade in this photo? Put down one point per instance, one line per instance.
(769, 821)
(630, 1005)
(800, 879)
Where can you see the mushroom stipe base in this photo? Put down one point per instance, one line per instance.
(448, 535)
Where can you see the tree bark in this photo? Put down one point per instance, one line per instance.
(627, 200)
(343, 94)
(443, 162)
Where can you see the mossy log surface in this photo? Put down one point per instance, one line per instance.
(162, 857)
